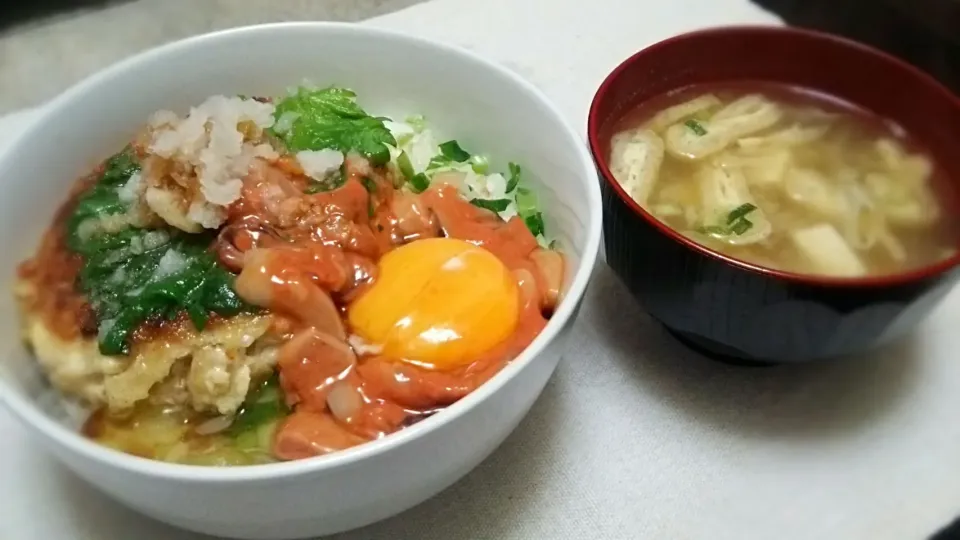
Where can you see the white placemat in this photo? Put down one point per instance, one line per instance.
(635, 437)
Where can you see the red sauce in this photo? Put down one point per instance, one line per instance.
(305, 257)
(52, 273)
(331, 244)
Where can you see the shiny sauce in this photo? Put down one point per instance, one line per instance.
(307, 257)
(341, 395)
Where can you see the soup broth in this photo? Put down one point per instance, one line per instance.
(786, 179)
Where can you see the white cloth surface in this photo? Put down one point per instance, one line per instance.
(635, 437)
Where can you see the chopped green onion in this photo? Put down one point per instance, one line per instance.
(438, 162)
(514, 180)
(741, 226)
(247, 439)
(369, 184)
(480, 164)
(740, 212)
(494, 205)
(405, 165)
(265, 434)
(417, 122)
(696, 127)
(331, 182)
(527, 210)
(452, 151)
(419, 182)
(526, 201)
(263, 404)
(713, 230)
(737, 222)
(534, 223)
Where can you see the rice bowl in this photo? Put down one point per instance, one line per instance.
(401, 470)
(280, 278)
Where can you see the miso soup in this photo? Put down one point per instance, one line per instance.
(786, 179)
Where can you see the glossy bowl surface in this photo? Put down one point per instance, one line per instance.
(465, 96)
(735, 310)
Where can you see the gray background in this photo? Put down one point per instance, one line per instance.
(42, 58)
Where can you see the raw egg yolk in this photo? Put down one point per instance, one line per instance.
(437, 303)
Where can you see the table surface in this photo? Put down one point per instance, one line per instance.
(40, 58)
(634, 437)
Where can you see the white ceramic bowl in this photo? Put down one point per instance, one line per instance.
(483, 105)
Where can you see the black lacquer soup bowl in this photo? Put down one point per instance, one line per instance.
(734, 310)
